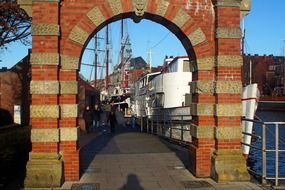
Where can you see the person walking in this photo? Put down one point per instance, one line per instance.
(112, 118)
(88, 118)
(97, 112)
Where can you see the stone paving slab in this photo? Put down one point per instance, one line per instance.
(136, 161)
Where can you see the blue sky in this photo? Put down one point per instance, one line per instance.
(265, 34)
(159, 39)
(265, 28)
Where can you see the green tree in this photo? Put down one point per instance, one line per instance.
(15, 23)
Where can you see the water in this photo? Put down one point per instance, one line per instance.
(255, 156)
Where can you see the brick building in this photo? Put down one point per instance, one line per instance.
(14, 88)
(137, 68)
(267, 71)
(88, 95)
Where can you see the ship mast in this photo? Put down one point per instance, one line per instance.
(150, 59)
(95, 61)
(126, 55)
(107, 58)
(122, 53)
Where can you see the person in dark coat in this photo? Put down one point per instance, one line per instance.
(97, 112)
(112, 118)
(88, 118)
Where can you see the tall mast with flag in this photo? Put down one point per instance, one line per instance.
(126, 55)
(122, 54)
(107, 58)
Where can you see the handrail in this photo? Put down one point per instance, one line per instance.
(253, 135)
(170, 123)
(252, 120)
(255, 147)
(264, 149)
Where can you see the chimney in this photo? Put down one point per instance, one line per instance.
(3, 69)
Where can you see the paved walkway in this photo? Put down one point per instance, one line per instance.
(130, 160)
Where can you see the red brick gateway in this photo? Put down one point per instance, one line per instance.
(209, 31)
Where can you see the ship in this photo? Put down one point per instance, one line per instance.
(165, 96)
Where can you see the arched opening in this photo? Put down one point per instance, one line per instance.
(211, 40)
(87, 65)
(88, 161)
(174, 29)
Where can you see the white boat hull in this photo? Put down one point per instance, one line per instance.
(249, 106)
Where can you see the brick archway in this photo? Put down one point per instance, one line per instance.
(210, 33)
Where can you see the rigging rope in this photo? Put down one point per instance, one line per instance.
(160, 41)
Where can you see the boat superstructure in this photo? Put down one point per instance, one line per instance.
(165, 96)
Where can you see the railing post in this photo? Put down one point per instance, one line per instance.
(163, 128)
(142, 124)
(182, 128)
(276, 154)
(148, 124)
(263, 154)
(158, 126)
(170, 124)
(151, 124)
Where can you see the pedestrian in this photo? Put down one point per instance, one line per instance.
(133, 121)
(97, 112)
(105, 110)
(112, 118)
(133, 118)
(88, 118)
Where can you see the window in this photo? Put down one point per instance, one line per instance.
(272, 67)
(159, 100)
(173, 67)
(186, 66)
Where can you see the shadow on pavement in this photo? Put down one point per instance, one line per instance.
(132, 183)
(182, 152)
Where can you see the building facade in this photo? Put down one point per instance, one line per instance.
(14, 90)
(267, 71)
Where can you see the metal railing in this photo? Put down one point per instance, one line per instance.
(265, 149)
(165, 125)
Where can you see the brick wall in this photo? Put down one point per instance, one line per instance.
(14, 89)
(87, 96)
(267, 72)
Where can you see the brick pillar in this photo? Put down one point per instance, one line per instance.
(228, 163)
(44, 168)
(202, 110)
(69, 130)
